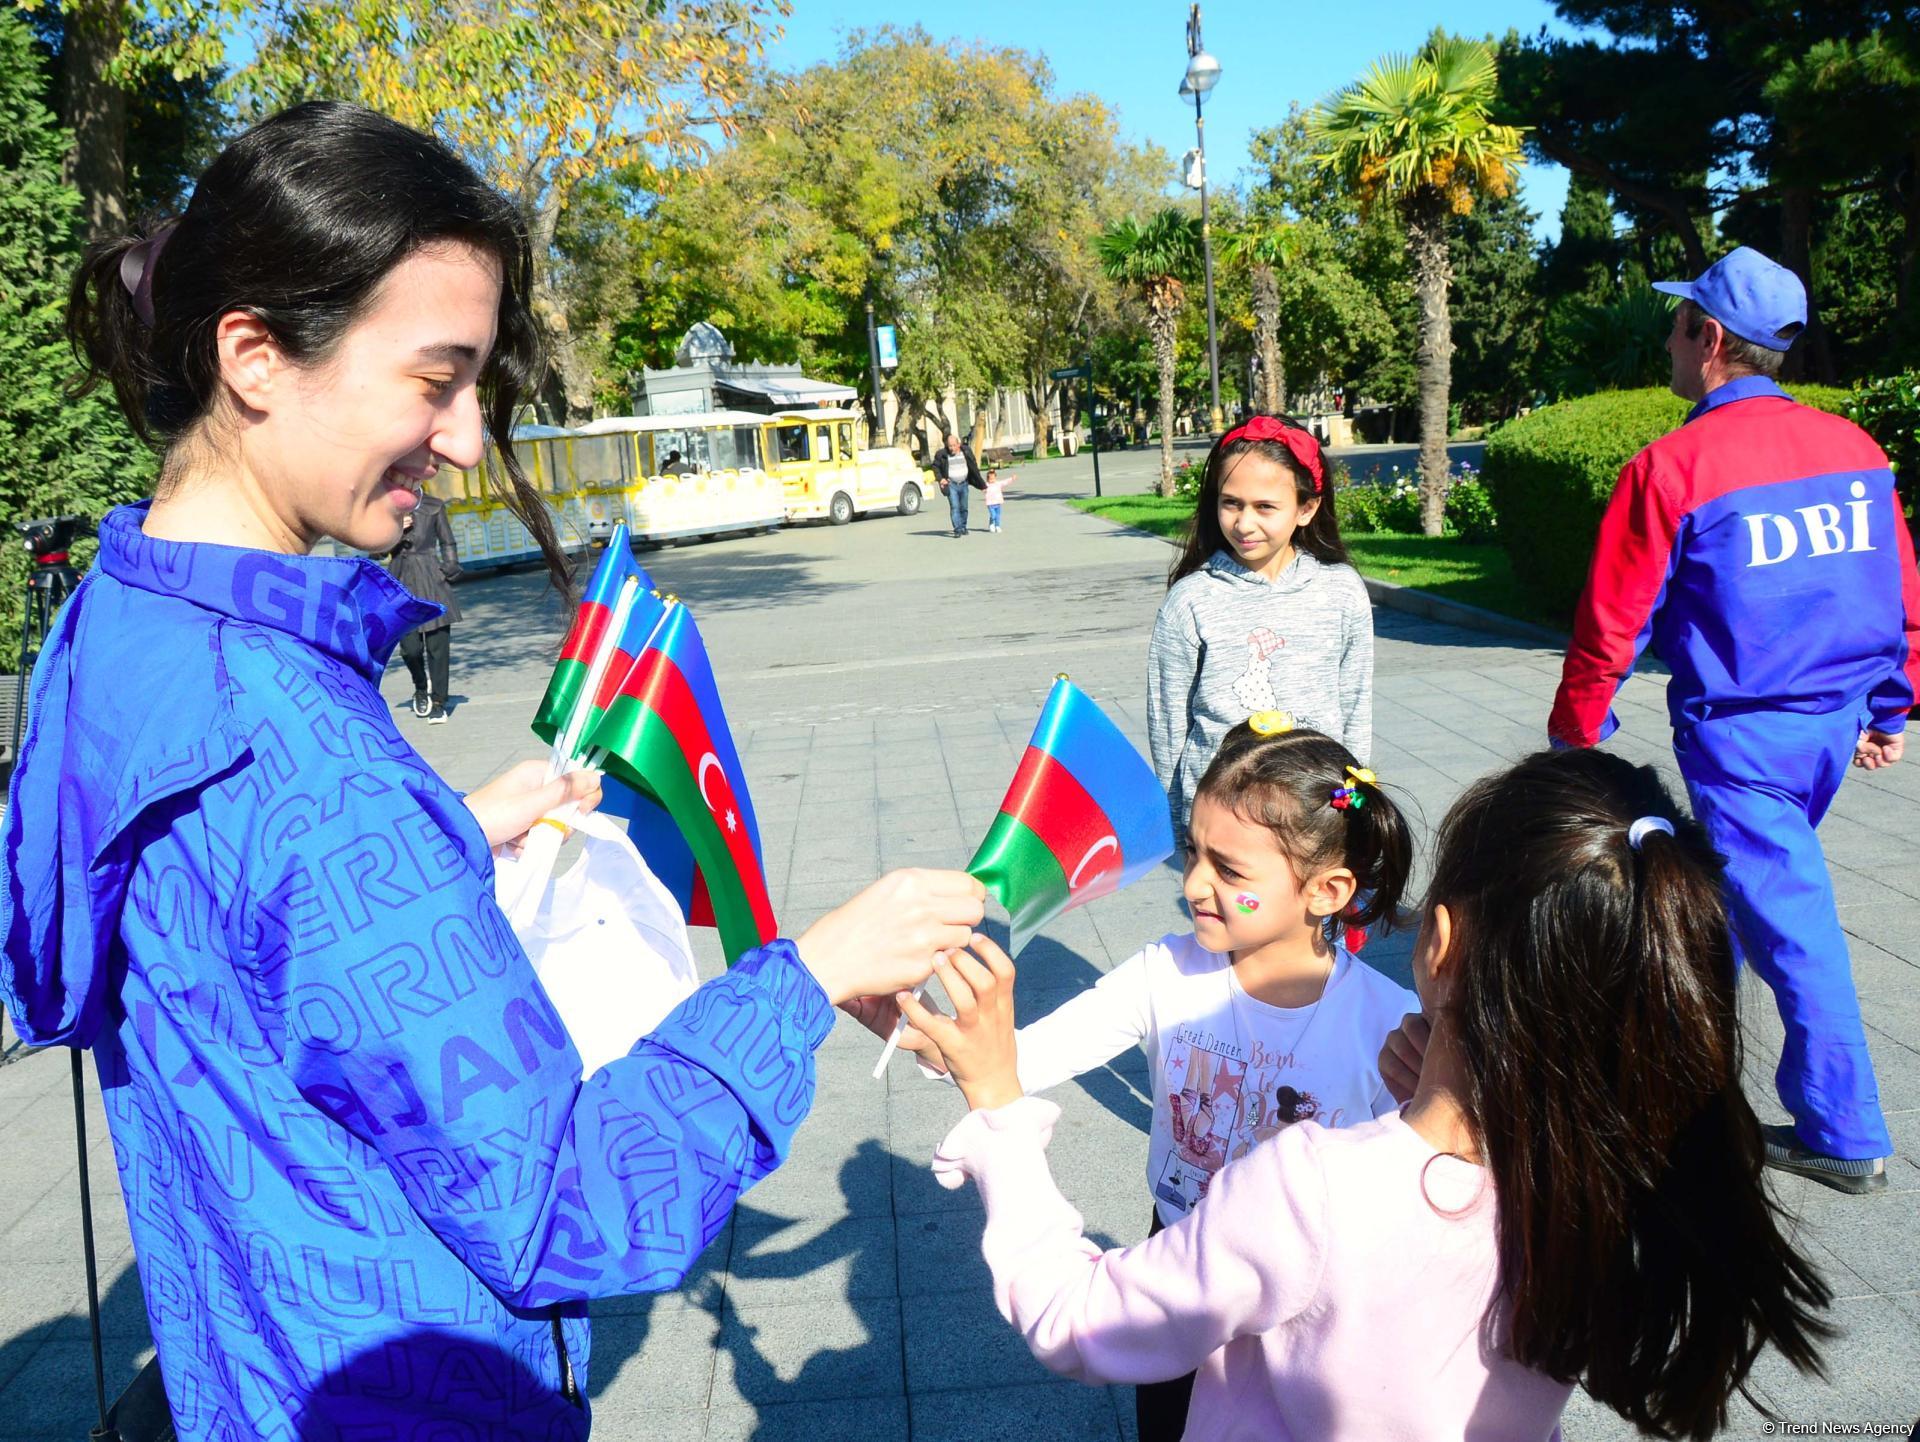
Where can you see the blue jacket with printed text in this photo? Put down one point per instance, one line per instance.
(368, 1188)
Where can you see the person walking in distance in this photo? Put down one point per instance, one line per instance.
(1762, 551)
(956, 470)
(996, 495)
(427, 563)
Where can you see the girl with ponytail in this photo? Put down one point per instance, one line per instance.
(1571, 1194)
(1262, 613)
(1261, 1016)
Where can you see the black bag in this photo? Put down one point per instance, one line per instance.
(141, 1413)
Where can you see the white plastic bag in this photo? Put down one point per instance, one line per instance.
(607, 940)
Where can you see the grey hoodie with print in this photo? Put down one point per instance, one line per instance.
(1228, 643)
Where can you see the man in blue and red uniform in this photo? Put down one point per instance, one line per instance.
(1762, 551)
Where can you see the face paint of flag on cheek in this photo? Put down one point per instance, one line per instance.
(1246, 903)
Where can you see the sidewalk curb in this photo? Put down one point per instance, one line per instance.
(1425, 604)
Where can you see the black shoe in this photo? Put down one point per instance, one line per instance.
(437, 716)
(1786, 1154)
(421, 705)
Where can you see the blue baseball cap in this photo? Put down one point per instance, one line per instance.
(1751, 296)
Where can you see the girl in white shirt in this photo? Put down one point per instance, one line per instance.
(1259, 1017)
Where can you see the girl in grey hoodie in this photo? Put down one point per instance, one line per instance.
(1263, 612)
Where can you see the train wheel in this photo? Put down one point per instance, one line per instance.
(909, 499)
(842, 509)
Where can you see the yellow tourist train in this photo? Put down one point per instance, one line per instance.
(678, 477)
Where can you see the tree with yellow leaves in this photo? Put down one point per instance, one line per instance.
(1416, 131)
(540, 94)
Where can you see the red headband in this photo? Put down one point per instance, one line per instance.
(1303, 447)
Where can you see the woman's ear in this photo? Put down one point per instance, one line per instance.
(252, 364)
(1308, 510)
(1433, 958)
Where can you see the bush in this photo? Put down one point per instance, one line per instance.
(1470, 514)
(1549, 476)
(1888, 409)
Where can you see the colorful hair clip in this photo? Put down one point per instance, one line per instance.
(1271, 723)
(1347, 798)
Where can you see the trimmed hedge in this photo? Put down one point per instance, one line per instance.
(1551, 474)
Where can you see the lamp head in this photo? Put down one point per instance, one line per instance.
(1203, 73)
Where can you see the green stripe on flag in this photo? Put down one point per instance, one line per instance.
(569, 680)
(643, 752)
(1018, 870)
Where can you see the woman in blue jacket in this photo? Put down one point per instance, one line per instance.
(368, 1187)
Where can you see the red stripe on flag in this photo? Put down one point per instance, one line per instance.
(590, 623)
(700, 904)
(616, 672)
(657, 684)
(1047, 799)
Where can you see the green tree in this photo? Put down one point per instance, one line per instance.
(1497, 311)
(58, 456)
(1262, 252)
(1417, 131)
(1156, 260)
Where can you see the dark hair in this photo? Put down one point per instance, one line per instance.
(1319, 538)
(1593, 1005)
(1739, 351)
(297, 223)
(1286, 784)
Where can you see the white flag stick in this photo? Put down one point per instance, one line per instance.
(899, 1030)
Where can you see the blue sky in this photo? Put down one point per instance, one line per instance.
(1132, 53)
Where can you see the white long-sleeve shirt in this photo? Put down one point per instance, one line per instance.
(1229, 1071)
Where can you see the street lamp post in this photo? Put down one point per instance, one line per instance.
(1203, 73)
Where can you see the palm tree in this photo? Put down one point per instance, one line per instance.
(1156, 259)
(1263, 251)
(1416, 131)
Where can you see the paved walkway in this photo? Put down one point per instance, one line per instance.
(883, 679)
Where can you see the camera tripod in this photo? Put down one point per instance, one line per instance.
(51, 581)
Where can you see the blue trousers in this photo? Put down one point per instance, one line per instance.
(957, 503)
(1761, 783)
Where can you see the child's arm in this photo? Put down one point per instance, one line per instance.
(1356, 676)
(1173, 660)
(1141, 1314)
(1076, 1036)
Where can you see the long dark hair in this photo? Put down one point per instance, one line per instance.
(1286, 782)
(1319, 538)
(1593, 1003)
(297, 222)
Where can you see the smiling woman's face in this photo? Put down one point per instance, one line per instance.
(1260, 508)
(343, 449)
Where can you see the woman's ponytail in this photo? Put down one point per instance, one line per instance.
(109, 337)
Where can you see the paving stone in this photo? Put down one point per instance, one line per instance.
(809, 1352)
(1061, 1411)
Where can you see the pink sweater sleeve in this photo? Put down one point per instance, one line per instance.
(1247, 1259)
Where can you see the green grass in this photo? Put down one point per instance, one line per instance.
(1476, 574)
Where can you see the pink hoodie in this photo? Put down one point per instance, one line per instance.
(1370, 1330)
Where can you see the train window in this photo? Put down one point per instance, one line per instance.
(792, 441)
(746, 447)
(823, 443)
(844, 433)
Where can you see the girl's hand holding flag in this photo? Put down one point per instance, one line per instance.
(977, 1041)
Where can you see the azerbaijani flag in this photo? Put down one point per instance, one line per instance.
(591, 622)
(665, 734)
(1085, 816)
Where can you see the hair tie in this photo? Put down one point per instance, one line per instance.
(1270, 723)
(1300, 444)
(1347, 798)
(136, 271)
(1640, 829)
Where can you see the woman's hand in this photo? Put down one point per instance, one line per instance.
(1402, 1056)
(508, 806)
(977, 1041)
(887, 936)
(880, 1014)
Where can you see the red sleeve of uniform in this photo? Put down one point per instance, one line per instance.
(1629, 571)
